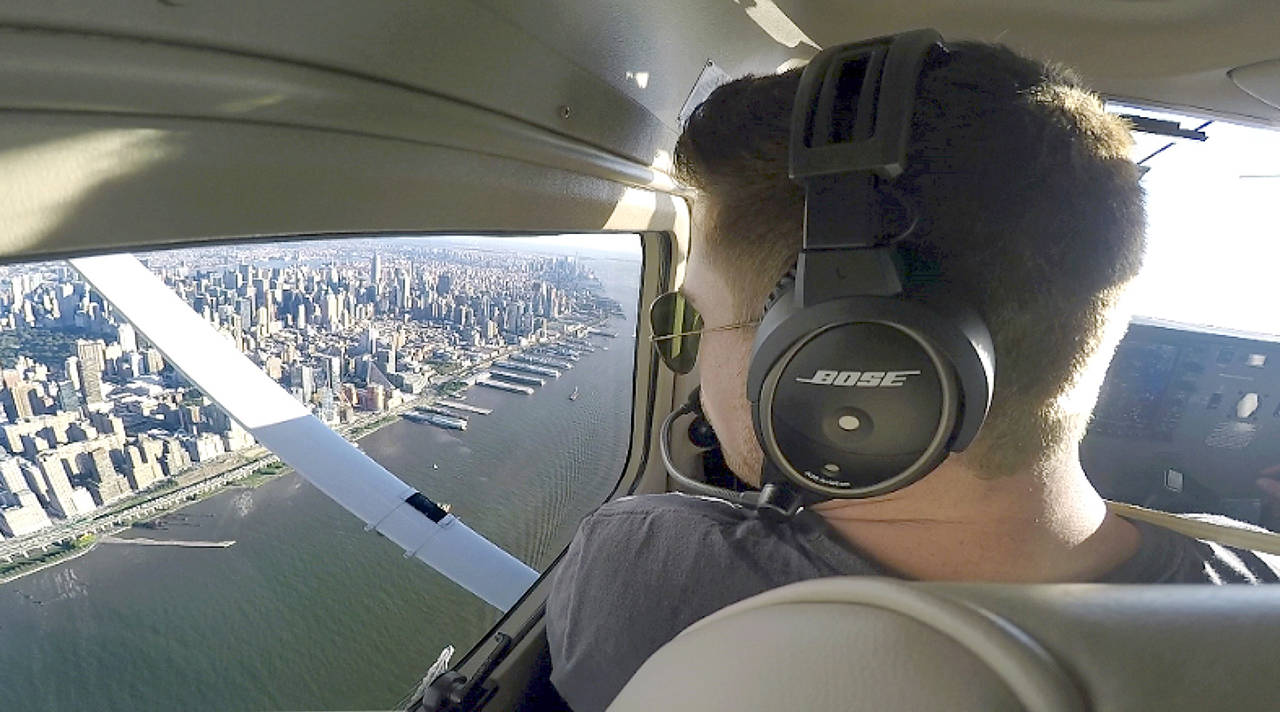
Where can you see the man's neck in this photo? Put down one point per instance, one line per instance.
(1048, 525)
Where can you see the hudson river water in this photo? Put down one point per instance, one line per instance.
(307, 611)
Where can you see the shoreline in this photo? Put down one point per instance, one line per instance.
(239, 483)
(253, 479)
(67, 556)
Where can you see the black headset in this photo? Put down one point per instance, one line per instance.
(865, 372)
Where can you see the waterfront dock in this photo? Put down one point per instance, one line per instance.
(560, 352)
(520, 378)
(438, 417)
(189, 544)
(543, 361)
(465, 406)
(504, 386)
(439, 410)
(539, 370)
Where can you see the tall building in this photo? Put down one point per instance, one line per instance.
(11, 478)
(72, 368)
(369, 340)
(90, 370)
(405, 295)
(107, 485)
(175, 458)
(19, 400)
(142, 473)
(20, 510)
(328, 406)
(68, 396)
(386, 359)
(154, 362)
(334, 366)
(57, 486)
(303, 378)
(329, 312)
(375, 271)
(128, 338)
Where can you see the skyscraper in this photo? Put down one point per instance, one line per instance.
(128, 338)
(20, 395)
(375, 272)
(369, 340)
(107, 484)
(72, 368)
(62, 499)
(68, 396)
(154, 361)
(141, 472)
(303, 377)
(90, 370)
(20, 510)
(334, 367)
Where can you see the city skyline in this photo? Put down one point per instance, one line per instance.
(349, 327)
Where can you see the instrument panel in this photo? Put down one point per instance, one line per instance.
(1187, 421)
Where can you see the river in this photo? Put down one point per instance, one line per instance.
(307, 610)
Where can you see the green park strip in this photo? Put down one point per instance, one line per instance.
(59, 553)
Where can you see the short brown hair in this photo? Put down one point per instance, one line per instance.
(1028, 204)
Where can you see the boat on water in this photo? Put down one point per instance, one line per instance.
(574, 395)
(434, 466)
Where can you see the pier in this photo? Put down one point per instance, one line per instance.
(529, 368)
(465, 406)
(518, 378)
(437, 417)
(542, 361)
(438, 410)
(562, 352)
(508, 387)
(140, 541)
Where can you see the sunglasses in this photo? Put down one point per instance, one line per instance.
(677, 330)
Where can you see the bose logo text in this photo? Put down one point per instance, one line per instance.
(859, 379)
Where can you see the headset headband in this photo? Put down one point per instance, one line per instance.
(849, 131)
(858, 388)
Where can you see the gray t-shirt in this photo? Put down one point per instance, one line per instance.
(642, 569)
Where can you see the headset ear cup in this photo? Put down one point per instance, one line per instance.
(785, 284)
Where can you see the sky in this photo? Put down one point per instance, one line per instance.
(1213, 237)
(620, 246)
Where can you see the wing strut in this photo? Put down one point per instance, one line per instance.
(287, 428)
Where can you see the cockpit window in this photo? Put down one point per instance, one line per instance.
(154, 556)
(1212, 236)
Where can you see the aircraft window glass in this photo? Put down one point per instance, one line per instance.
(389, 340)
(1211, 229)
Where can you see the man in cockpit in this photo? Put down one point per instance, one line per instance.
(1032, 211)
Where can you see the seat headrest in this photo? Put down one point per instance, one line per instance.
(864, 643)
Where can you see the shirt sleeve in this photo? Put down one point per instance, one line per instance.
(593, 652)
(621, 592)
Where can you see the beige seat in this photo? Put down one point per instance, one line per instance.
(859, 643)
